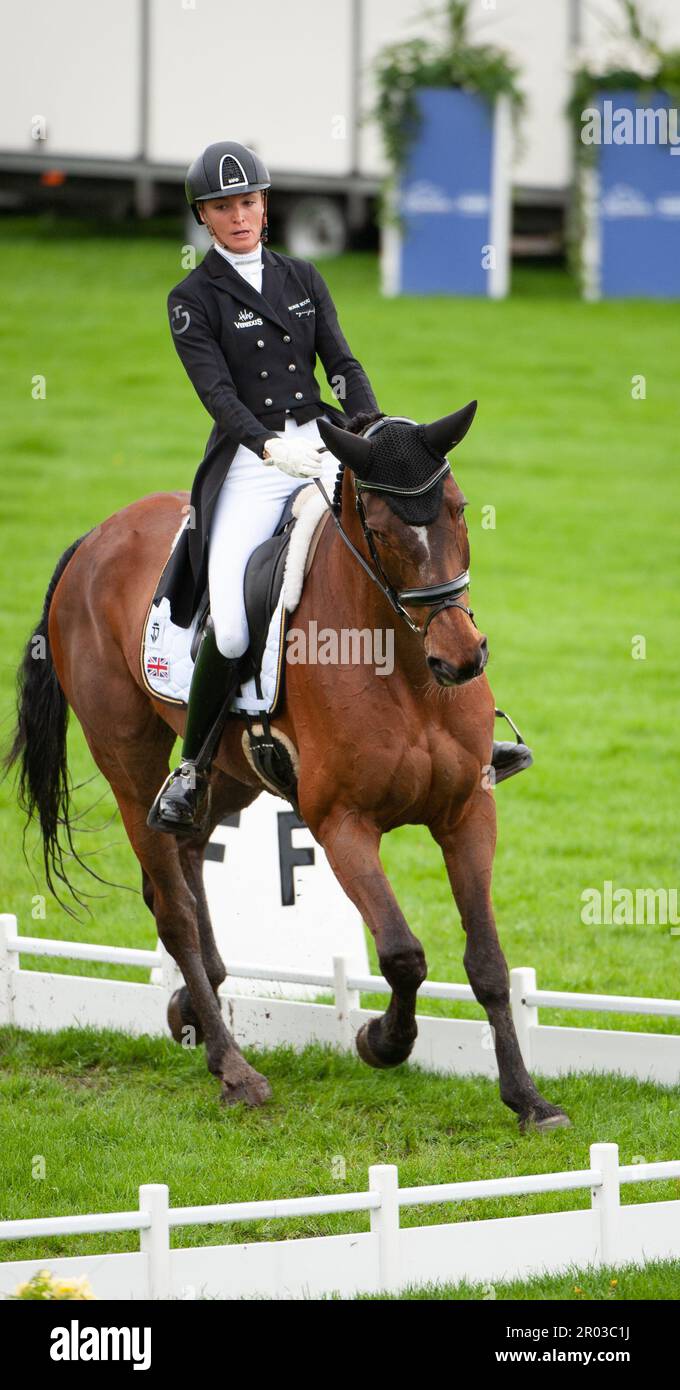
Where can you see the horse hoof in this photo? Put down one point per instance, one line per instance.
(250, 1090)
(370, 1051)
(554, 1119)
(184, 1030)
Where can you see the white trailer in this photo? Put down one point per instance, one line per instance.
(124, 93)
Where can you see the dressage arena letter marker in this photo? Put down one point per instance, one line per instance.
(288, 821)
(274, 899)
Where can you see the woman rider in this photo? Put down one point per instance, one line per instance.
(248, 325)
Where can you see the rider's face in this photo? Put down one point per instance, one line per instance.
(236, 220)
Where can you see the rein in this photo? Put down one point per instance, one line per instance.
(436, 597)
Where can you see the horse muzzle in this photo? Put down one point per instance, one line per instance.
(447, 674)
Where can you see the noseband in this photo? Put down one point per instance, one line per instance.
(436, 597)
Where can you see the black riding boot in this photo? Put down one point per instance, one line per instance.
(182, 806)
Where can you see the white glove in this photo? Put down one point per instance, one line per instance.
(297, 457)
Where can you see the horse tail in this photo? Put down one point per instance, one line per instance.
(39, 744)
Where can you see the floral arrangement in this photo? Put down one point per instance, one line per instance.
(46, 1285)
(633, 59)
(405, 68)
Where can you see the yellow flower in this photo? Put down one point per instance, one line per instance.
(46, 1285)
(71, 1288)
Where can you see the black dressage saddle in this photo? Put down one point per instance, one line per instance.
(261, 589)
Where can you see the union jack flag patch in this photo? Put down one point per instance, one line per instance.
(158, 666)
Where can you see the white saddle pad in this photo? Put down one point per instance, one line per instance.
(167, 665)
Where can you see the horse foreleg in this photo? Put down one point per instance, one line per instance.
(468, 853)
(352, 845)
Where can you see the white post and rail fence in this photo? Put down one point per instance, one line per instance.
(387, 1258)
(39, 1000)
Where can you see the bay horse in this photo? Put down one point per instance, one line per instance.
(413, 747)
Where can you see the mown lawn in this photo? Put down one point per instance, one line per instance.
(658, 1280)
(106, 1112)
(583, 559)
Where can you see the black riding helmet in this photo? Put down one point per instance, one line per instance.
(223, 168)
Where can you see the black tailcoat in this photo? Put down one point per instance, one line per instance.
(251, 358)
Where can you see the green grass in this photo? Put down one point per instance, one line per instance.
(658, 1280)
(584, 557)
(107, 1112)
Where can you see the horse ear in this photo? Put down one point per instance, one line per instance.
(350, 449)
(444, 434)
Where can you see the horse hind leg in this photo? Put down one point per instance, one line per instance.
(181, 1012)
(228, 797)
(174, 907)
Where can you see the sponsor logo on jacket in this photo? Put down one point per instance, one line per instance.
(299, 310)
(246, 319)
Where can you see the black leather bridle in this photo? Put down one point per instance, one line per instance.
(436, 597)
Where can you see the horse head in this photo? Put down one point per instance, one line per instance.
(411, 513)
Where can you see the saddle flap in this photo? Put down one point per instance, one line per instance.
(262, 584)
(297, 530)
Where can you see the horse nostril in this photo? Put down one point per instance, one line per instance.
(446, 674)
(441, 670)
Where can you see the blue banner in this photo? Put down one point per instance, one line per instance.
(638, 198)
(453, 240)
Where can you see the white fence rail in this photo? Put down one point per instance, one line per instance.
(39, 1000)
(387, 1258)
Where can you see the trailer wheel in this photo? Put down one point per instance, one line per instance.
(314, 228)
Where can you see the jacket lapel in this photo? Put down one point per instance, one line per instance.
(274, 275)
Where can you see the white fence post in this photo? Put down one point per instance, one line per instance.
(384, 1178)
(9, 962)
(345, 1000)
(525, 1016)
(155, 1240)
(606, 1202)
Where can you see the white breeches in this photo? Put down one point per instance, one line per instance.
(246, 512)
